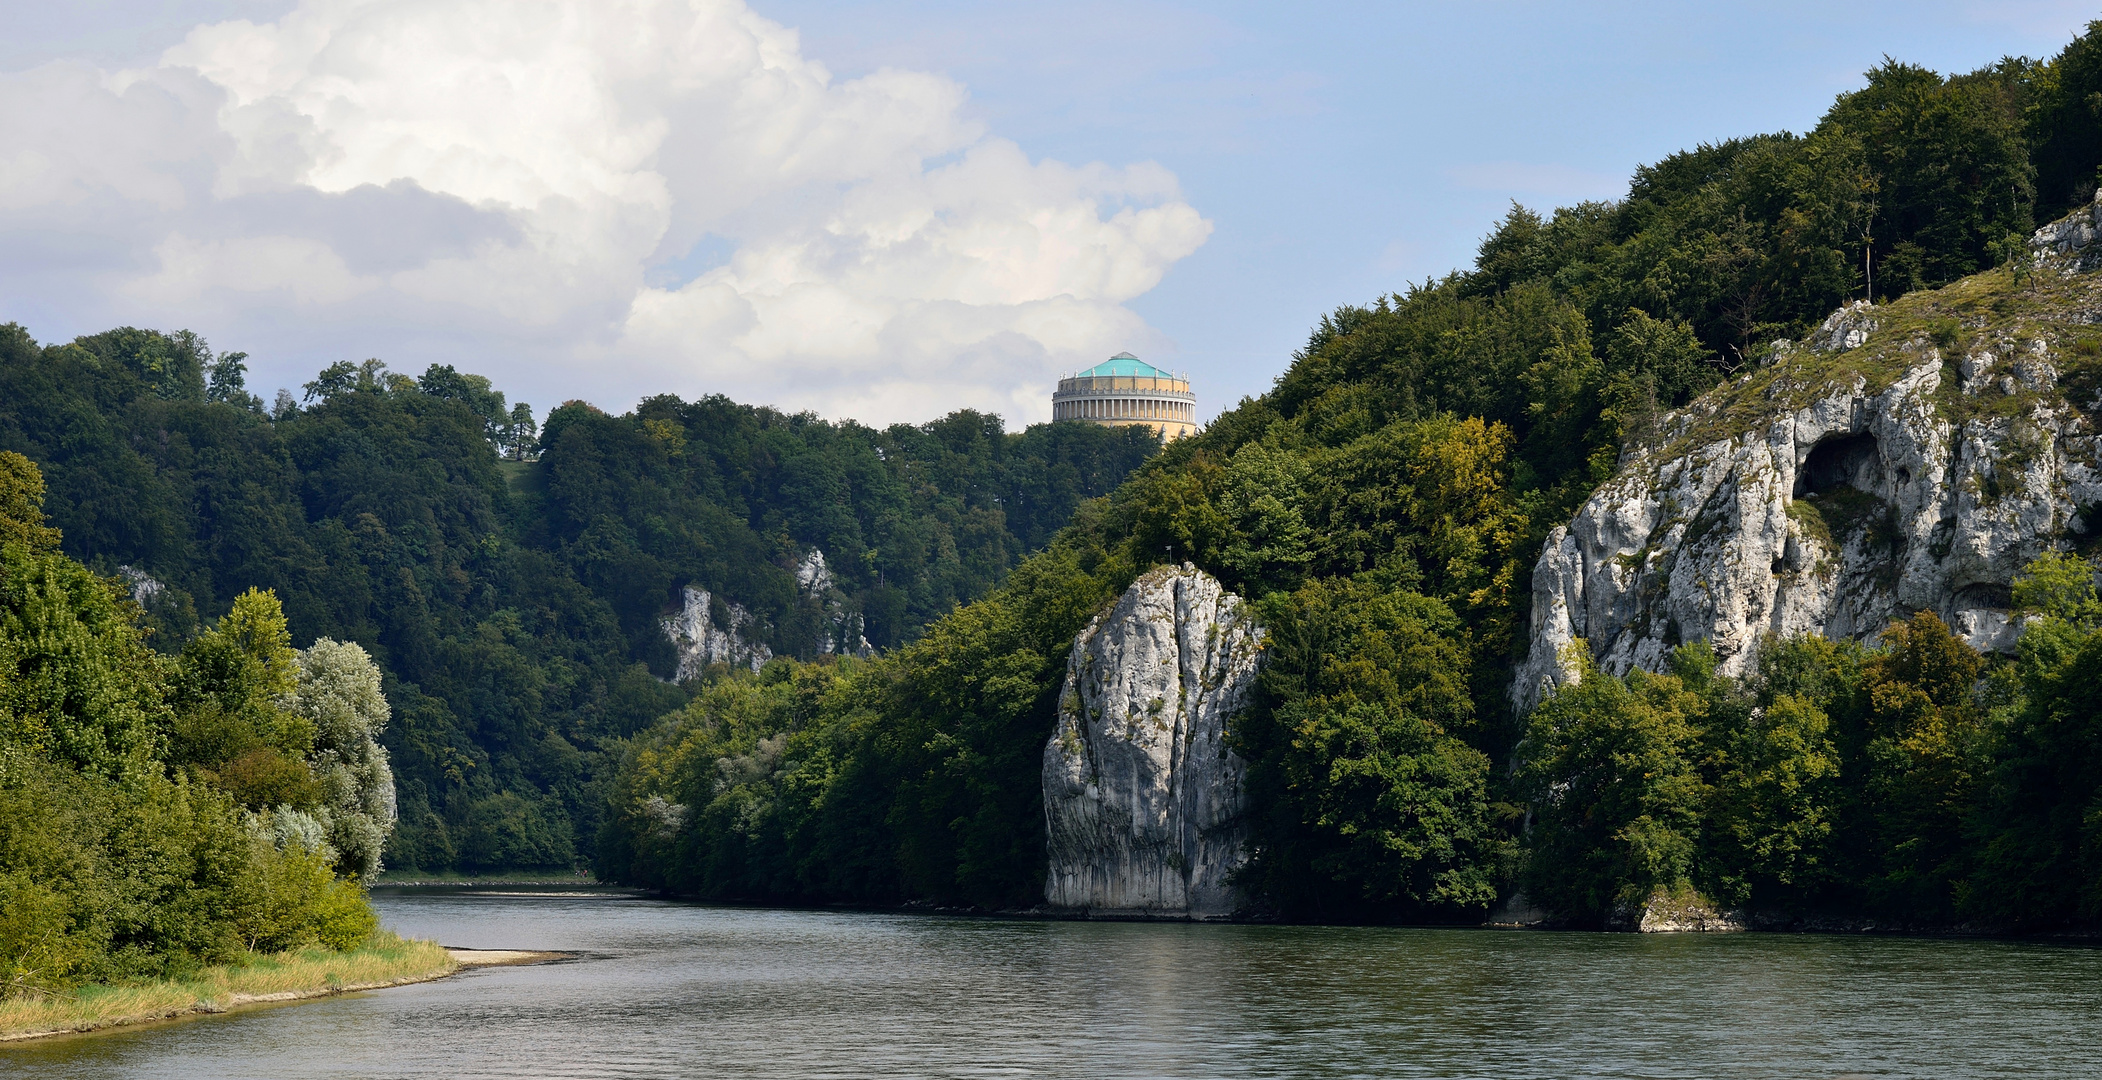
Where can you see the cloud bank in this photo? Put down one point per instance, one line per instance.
(581, 198)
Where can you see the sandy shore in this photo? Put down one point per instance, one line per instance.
(498, 957)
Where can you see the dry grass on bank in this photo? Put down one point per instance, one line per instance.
(384, 960)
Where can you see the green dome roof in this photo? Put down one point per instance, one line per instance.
(1124, 365)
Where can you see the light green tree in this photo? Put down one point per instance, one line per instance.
(338, 692)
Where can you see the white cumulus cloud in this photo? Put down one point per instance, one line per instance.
(581, 198)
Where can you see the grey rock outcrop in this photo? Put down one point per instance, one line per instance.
(1144, 801)
(813, 577)
(842, 630)
(1840, 488)
(2071, 238)
(145, 591)
(1847, 328)
(704, 635)
(1667, 912)
(700, 641)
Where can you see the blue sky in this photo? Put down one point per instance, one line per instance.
(1333, 153)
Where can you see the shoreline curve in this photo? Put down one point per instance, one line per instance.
(457, 960)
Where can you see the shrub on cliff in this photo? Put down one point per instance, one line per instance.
(1612, 768)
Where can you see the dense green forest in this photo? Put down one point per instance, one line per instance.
(162, 812)
(1382, 506)
(511, 582)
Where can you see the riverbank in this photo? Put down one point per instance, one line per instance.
(385, 960)
(420, 879)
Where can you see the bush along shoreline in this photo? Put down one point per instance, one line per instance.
(1914, 786)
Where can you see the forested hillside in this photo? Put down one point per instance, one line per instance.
(1382, 507)
(510, 582)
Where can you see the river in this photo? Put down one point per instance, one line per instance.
(665, 989)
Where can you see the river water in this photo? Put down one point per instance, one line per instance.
(680, 990)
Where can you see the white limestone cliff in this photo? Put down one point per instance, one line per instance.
(1842, 486)
(702, 637)
(700, 642)
(842, 631)
(1144, 801)
(144, 589)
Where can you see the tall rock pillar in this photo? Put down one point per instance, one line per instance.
(1144, 801)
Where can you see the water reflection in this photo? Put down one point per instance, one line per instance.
(668, 989)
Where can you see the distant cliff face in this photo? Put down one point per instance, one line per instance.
(1142, 797)
(1913, 456)
(700, 642)
(701, 639)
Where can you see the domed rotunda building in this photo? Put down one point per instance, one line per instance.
(1123, 391)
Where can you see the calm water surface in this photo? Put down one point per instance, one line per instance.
(679, 990)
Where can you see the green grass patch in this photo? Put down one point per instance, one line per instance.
(384, 959)
(523, 477)
(1808, 517)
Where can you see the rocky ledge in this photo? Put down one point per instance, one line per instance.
(1913, 457)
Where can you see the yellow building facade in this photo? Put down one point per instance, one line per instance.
(1124, 391)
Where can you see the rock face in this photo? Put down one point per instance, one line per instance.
(1843, 486)
(144, 589)
(693, 631)
(2071, 239)
(841, 631)
(1667, 912)
(1143, 799)
(703, 636)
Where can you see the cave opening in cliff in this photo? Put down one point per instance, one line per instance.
(1841, 461)
(1983, 596)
